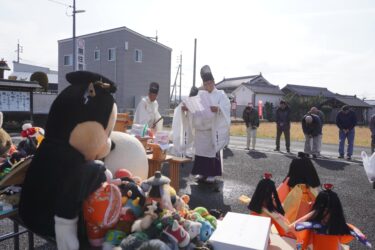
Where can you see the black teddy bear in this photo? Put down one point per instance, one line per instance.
(65, 168)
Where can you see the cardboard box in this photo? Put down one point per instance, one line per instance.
(241, 231)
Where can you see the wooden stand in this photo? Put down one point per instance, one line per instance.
(123, 122)
(174, 170)
(155, 164)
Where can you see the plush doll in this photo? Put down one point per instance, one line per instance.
(128, 153)
(5, 141)
(63, 172)
(265, 202)
(178, 233)
(31, 139)
(149, 216)
(158, 189)
(101, 211)
(325, 227)
(299, 189)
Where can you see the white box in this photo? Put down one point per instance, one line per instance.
(241, 231)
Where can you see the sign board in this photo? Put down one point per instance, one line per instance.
(80, 54)
(14, 101)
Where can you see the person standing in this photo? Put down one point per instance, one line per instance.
(147, 111)
(211, 130)
(312, 128)
(346, 120)
(316, 111)
(251, 119)
(372, 128)
(283, 125)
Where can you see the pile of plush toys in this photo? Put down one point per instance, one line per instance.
(128, 213)
(83, 172)
(300, 211)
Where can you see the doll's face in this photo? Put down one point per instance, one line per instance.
(91, 140)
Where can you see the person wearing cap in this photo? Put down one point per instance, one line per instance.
(283, 125)
(251, 119)
(147, 111)
(312, 128)
(346, 121)
(211, 131)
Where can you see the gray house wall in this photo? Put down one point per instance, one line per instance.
(132, 78)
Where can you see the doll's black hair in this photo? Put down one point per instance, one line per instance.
(264, 195)
(329, 202)
(302, 171)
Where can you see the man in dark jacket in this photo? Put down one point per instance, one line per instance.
(283, 125)
(372, 128)
(251, 119)
(346, 120)
(312, 128)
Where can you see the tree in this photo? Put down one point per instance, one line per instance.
(268, 111)
(299, 105)
(41, 78)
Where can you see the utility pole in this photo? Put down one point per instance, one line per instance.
(74, 33)
(180, 75)
(19, 50)
(195, 60)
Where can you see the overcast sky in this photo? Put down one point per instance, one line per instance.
(324, 43)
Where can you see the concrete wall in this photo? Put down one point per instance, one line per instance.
(42, 102)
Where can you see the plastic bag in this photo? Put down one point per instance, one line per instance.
(369, 165)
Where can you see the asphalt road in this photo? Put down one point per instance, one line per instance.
(242, 171)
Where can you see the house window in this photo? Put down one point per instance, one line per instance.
(68, 60)
(138, 55)
(97, 55)
(111, 54)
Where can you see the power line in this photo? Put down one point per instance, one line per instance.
(66, 5)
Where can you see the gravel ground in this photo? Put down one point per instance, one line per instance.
(242, 171)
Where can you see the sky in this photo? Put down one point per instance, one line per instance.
(322, 43)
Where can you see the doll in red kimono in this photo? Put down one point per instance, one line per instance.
(265, 202)
(299, 189)
(325, 227)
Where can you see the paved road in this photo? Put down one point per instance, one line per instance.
(242, 171)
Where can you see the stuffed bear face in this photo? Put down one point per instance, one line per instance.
(91, 139)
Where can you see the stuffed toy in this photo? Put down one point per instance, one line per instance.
(158, 189)
(149, 216)
(5, 140)
(31, 139)
(101, 211)
(178, 234)
(63, 172)
(128, 153)
(299, 189)
(325, 227)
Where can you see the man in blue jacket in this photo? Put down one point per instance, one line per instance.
(346, 120)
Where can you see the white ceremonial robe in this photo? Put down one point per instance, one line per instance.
(212, 132)
(182, 133)
(147, 112)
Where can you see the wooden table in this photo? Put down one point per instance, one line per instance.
(155, 164)
(174, 170)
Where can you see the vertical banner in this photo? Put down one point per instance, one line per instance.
(80, 54)
(260, 109)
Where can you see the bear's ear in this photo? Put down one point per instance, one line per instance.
(86, 77)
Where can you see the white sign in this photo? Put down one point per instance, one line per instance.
(14, 101)
(80, 54)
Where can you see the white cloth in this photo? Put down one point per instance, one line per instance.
(211, 132)
(182, 133)
(147, 112)
(66, 233)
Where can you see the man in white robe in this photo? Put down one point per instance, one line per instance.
(211, 126)
(147, 111)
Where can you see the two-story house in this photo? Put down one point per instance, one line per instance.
(126, 57)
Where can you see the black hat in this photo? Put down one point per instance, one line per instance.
(154, 88)
(345, 107)
(206, 74)
(86, 77)
(193, 91)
